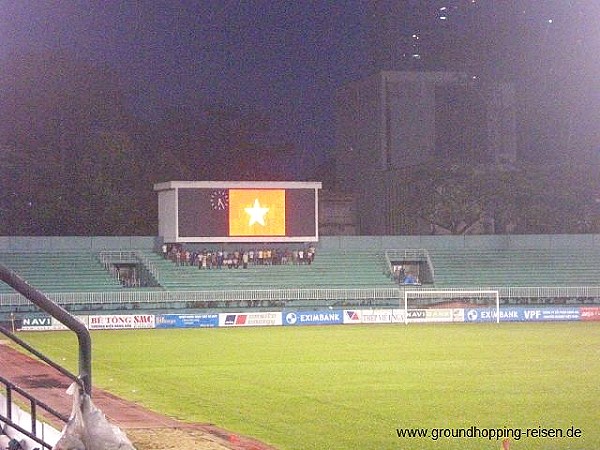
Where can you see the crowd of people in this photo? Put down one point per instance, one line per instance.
(242, 258)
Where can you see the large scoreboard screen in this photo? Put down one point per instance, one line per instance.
(214, 211)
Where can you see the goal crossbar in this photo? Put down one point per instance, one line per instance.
(453, 293)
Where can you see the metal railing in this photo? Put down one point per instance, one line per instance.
(110, 257)
(420, 254)
(162, 296)
(30, 294)
(150, 266)
(168, 297)
(115, 256)
(34, 405)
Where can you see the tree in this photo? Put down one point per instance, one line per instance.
(518, 199)
(561, 198)
(70, 159)
(453, 198)
(77, 161)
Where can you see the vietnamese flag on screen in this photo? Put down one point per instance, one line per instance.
(256, 212)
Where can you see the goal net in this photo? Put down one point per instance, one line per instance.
(448, 306)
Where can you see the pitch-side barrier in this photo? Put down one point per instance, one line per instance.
(40, 322)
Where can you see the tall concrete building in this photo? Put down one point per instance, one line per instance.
(392, 121)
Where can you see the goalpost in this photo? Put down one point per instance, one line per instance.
(473, 300)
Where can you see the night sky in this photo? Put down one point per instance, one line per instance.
(287, 58)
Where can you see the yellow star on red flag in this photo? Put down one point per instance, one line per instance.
(256, 213)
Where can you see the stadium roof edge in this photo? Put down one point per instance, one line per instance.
(239, 184)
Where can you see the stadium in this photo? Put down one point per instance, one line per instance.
(299, 225)
(357, 329)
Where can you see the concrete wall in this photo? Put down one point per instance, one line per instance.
(491, 242)
(74, 243)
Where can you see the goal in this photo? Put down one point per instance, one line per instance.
(477, 305)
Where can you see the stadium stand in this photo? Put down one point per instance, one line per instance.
(86, 280)
(346, 271)
(60, 271)
(548, 267)
(358, 269)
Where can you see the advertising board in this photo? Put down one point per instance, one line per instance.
(435, 315)
(259, 319)
(326, 317)
(121, 321)
(187, 321)
(352, 316)
(46, 323)
(589, 313)
(523, 314)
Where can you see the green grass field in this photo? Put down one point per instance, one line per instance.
(352, 387)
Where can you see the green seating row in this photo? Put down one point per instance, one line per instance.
(54, 272)
(559, 267)
(332, 270)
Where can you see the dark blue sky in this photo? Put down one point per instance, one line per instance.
(284, 58)
(287, 58)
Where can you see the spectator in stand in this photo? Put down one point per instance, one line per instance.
(410, 279)
(208, 258)
(260, 257)
(399, 274)
(269, 257)
(310, 254)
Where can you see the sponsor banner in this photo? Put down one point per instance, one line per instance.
(377, 315)
(589, 313)
(187, 321)
(117, 321)
(435, 315)
(490, 315)
(46, 323)
(398, 315)
(37, 323)
(550, 314)
(458, 315)
(352, 316)
(327, 317)
(522, 314)
(254, 319)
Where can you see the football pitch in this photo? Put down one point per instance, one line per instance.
(453, 386)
